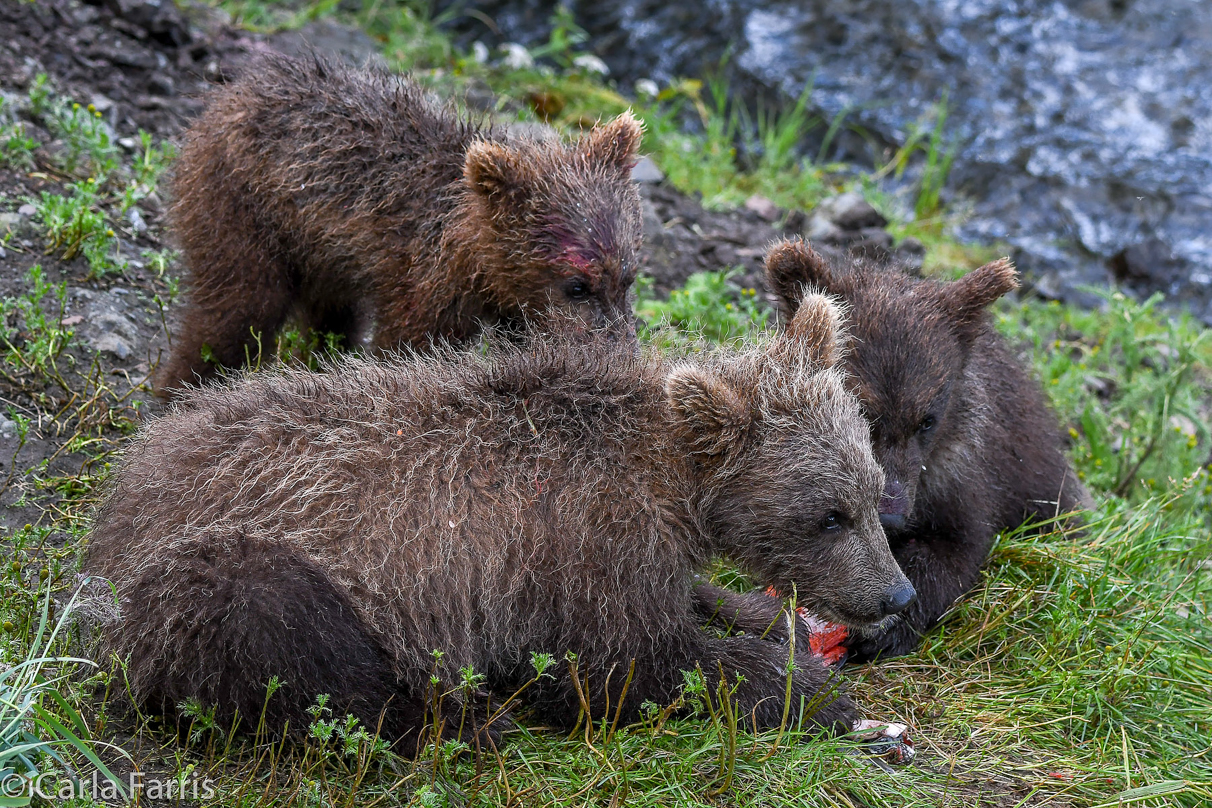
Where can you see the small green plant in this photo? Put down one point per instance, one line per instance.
(409, 33)
(37, 723)
(779, 133)
(940, 154)
(939, 158)
(564, 41)
(305, 348)
(271, 15)
(1138, 423)
(87, 141)
(343, 737)
(709, 307)
(41, 95)
(32, 331)
(150, 163)
(75, 224)
(16, 148)
(159, 261)
(201, 717)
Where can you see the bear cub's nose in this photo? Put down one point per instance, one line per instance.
(898, 598)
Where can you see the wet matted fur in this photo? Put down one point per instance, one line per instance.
(346, 196)
(967, 442)
(333, 529)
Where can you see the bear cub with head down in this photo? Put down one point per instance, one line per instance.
(344, 196)
(335, 529)
(967, 443)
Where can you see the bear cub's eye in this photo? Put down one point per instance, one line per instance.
(577, 289)
(832, 521)
(927, 424)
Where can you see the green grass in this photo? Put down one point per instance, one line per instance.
(87, 141)
(35, 340)
(16, 147)
(1132, 382)
(708, 309)
(76, 225)
(38, 726)
(101, 184)
(1076, 673)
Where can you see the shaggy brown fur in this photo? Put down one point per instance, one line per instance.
(333, 529)
(342, 196)
(965, 438)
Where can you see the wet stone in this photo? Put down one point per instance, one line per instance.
(647, 171)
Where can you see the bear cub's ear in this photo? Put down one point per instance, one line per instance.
(966, 299)
(818, 331)
(791, 267)
(497, 172)
(616, 143)
(714, 414)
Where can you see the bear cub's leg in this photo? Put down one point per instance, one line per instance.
(754, 613)
(240, 292)
(231, 612)
(659, 678)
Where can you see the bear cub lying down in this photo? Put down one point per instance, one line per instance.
(961, 429)
(334, 529)
(345, 197)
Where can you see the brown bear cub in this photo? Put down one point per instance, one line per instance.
(967, 443)
(335, 529)
(345, 196)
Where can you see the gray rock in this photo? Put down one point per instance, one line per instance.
(161, 84)
(1049, 286)
(103, 103)
(11, 103)
(16, 224)
(131, 54)
(911, 254)
(647, 171)
(344, 42)
(654, 228)
(161, 19)
(530, 132)
(1081, 127)
(106, 328)
(1147, 265)
(136, 221)
(875, 242)
(112, 344)
(763, 207)
(27, 210)
(850, 211)
(821, 229)
(87, 14)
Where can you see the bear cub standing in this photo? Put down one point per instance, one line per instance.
(334, 529)
(346, 196)
(967, 443)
